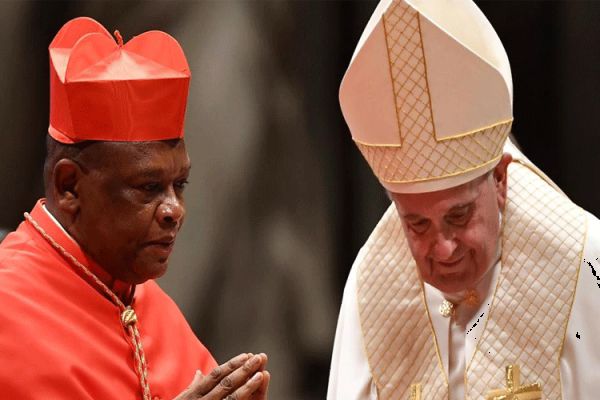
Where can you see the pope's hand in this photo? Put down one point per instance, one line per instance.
(241, 378)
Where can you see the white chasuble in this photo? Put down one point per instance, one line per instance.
(525, 322)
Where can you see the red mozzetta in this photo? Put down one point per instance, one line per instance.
(62, 338)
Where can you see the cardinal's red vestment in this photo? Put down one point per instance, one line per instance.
(61, 337)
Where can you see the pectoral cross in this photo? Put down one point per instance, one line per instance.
(415, 391)
(514, 390)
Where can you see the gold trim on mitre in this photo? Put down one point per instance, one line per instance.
(417, 155)
(457, 136)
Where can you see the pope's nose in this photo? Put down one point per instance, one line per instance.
(443, 248)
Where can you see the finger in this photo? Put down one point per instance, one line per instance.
(264, 361)
(238, 378)
(245, 392)
(197, 378)
(189, 391)
(261, 393)
(208, 382)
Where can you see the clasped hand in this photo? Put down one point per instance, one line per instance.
(241, 378)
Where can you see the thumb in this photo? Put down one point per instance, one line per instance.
(197, 378)
(188, 392)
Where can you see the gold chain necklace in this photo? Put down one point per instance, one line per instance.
(128, 316)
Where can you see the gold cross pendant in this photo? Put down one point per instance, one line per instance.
(514, 390)
(415, 391)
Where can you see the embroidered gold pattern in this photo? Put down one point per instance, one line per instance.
(543, 229)
(421, 156)
(514, 390)
(386, 331)
(415, 391)
(394, 314)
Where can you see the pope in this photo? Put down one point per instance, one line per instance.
(82, 316)
(475, 284)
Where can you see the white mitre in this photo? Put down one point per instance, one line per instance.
(428, 94)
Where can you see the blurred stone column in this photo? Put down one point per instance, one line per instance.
(252, 270)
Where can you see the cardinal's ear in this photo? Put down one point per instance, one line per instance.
(66, 180)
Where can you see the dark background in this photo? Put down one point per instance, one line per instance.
(280, 200)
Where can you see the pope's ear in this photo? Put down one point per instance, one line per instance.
(500, 173)
(66, 179)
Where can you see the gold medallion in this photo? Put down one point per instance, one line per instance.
(446, 308)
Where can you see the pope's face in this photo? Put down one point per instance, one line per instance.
(453, 234)
(131, 207)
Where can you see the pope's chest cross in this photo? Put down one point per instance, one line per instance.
(514, 390)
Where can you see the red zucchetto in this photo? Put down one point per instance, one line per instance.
(102, 89)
